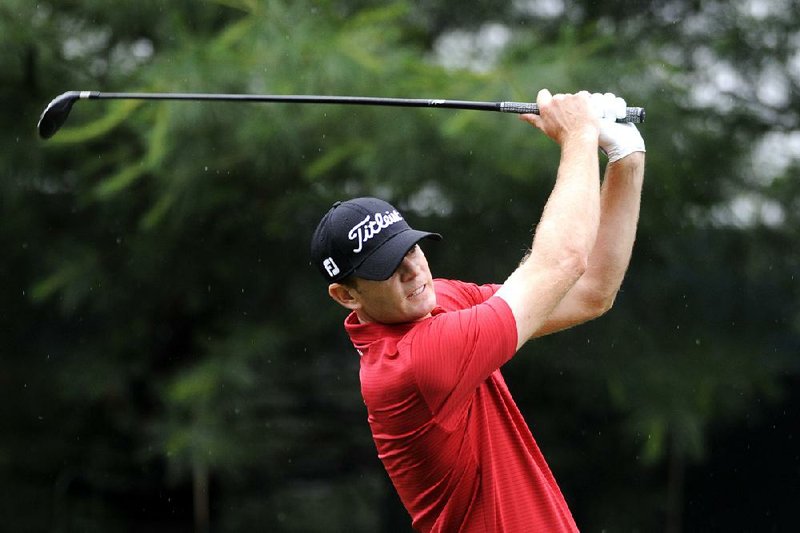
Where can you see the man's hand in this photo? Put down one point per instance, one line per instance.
(565, 116)
(616, 140)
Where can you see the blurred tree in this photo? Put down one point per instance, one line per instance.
(169, 357)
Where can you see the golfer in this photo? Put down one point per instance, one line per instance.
(446, 428)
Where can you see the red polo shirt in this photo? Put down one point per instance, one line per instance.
(450, 436)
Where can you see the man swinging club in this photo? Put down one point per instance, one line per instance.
(446, 428)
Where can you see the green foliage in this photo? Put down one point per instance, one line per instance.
(162, 329)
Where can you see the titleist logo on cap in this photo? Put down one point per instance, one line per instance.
(371, 226)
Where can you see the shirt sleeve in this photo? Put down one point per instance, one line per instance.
(453, 294)
(454, 352)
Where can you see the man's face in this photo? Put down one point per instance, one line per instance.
(405, 297)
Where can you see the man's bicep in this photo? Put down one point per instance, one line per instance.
(533, 294)
(572, 310)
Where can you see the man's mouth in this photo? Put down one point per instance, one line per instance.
(417, 291)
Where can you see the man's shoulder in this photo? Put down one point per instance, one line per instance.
(451, 288)
(454, 294)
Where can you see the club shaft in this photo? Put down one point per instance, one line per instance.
(634, 114)
(296, 99)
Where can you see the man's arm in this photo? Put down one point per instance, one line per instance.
(596, 290)
(567, 230)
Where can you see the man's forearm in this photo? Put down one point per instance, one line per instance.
(619, 214)
(562, 245)
(571, 214)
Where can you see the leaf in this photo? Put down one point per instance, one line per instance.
(154, 215)
(119, 181)
(157, 147)
(331, 158)
(56, 281)
(119, 112)
(655, 445)
(194, 387)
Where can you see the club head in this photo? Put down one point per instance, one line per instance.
(56, 113)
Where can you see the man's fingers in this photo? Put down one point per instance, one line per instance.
(543, 98)
(598, 103)
(608, 106)
(620, 107)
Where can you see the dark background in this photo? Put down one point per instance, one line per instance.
(169, 361)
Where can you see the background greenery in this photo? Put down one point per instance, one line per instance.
(170, 362)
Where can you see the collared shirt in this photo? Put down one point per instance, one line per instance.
(446, 428)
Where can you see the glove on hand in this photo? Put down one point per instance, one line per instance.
(616, 139)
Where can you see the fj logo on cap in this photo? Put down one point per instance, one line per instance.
(371, 226)
(330, 267)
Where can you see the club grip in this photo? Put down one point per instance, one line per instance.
(635, 115)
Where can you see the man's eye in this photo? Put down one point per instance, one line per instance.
(413, 250)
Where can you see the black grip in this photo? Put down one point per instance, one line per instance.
(635, 115)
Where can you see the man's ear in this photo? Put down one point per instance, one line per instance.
(344, 296)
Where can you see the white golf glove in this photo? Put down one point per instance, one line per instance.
(616, 139)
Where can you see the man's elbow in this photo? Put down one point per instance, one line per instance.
(573, 264)
(599, 303)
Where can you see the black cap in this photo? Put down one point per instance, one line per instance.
(365, 237)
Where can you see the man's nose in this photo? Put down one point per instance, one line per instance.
(408, 269)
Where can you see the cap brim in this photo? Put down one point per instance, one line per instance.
(382, 263)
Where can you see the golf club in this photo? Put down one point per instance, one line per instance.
(57, 111)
